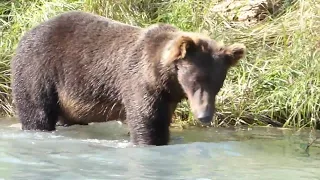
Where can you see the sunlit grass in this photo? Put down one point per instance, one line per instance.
(277, 83)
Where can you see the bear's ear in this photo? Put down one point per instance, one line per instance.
(177, 49)
(235, 52)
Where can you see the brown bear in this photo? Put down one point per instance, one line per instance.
(79, 67)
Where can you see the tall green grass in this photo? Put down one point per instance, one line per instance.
(277, 83)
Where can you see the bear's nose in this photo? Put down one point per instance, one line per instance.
(205, 117)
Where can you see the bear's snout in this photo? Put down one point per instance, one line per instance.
(202, 105)
(205, 116)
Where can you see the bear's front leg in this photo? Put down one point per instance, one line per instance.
(148, 120)
(146, 131)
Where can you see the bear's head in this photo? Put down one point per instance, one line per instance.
(201, 66)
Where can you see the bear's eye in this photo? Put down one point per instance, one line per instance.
(202, 79)
(195, 85)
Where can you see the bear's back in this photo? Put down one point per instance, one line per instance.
(72, 27)
(74, 37)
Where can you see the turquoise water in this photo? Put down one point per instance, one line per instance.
(102, 151)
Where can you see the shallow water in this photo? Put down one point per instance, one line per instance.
(101, 151)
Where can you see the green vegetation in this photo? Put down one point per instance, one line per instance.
(278, 82)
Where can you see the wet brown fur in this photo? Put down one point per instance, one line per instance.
(82, 68)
